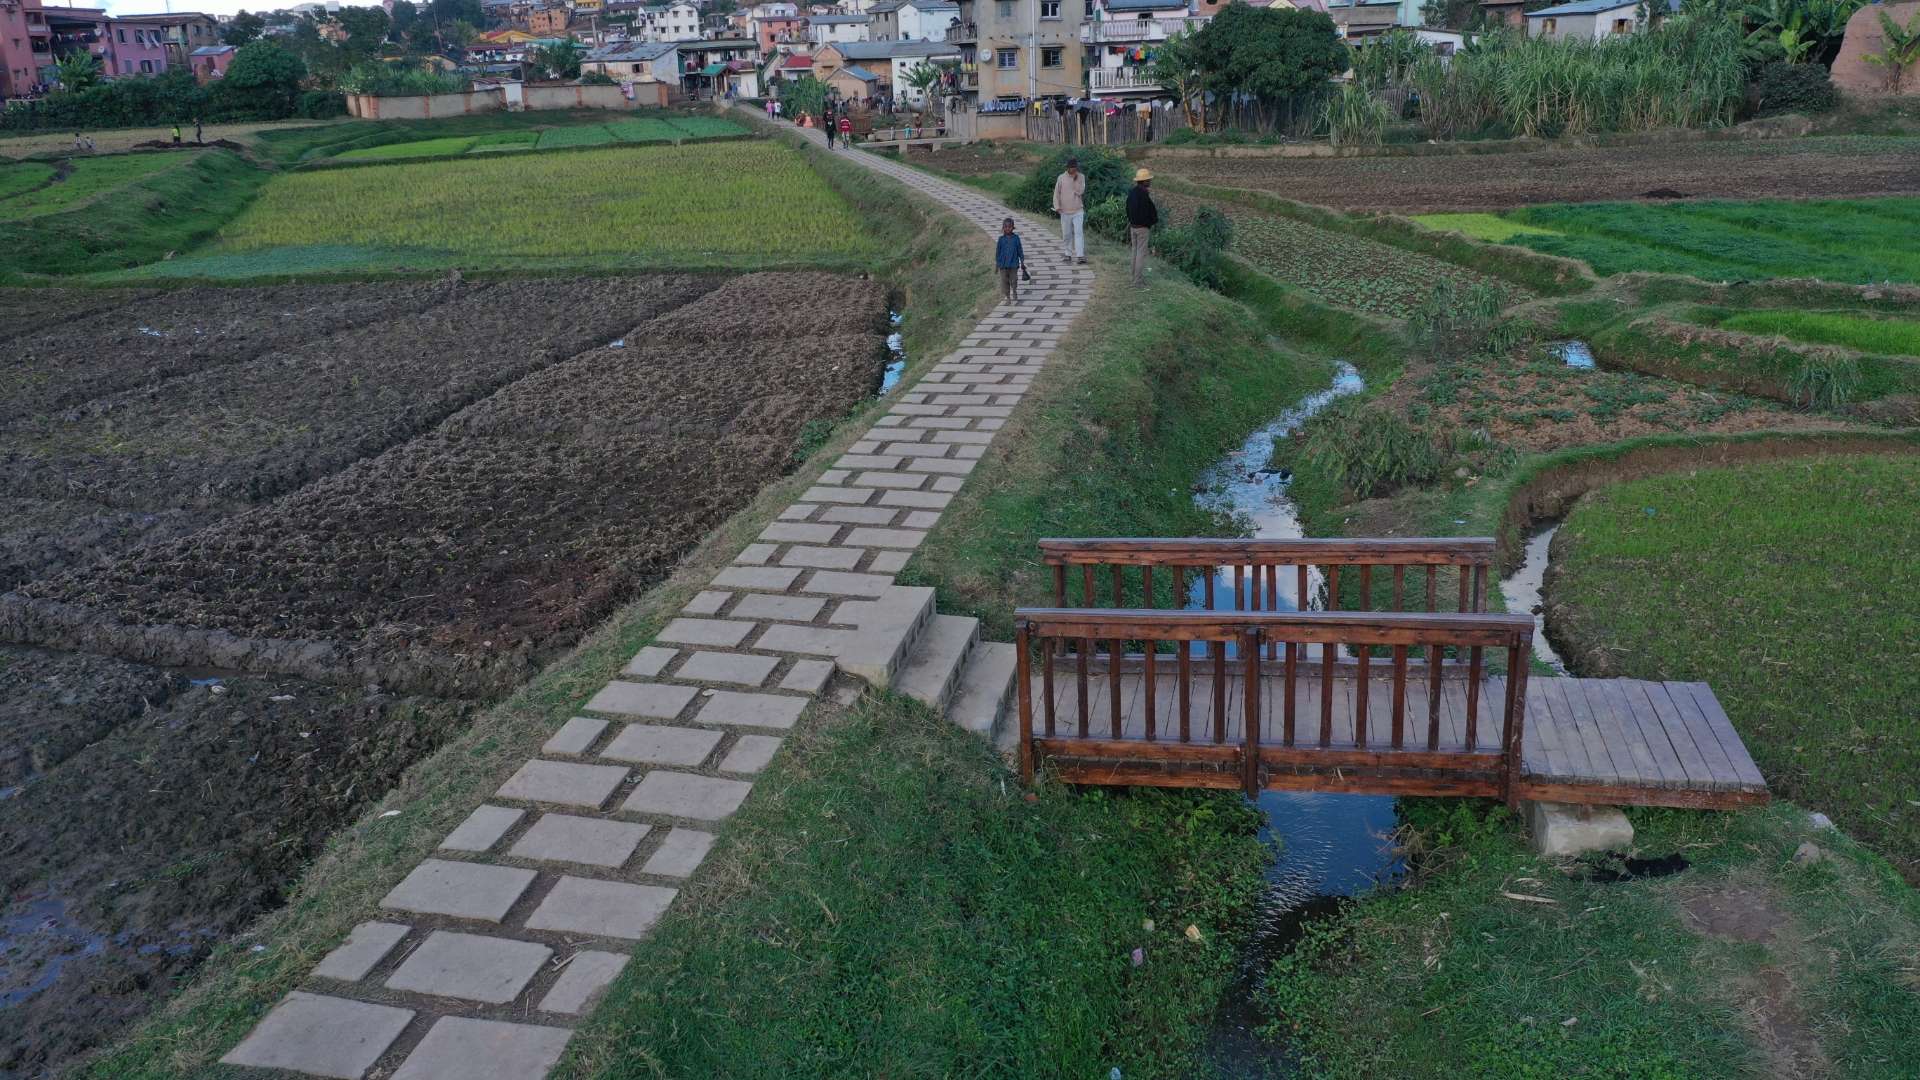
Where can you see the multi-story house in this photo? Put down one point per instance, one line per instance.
(822, 29)
(679, 21)
(913, 20)
(1015, 50)
(1119, 37)
(26, 48)
(180, 32)
(139, 47)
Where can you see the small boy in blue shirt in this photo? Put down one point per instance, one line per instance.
(1009, 258)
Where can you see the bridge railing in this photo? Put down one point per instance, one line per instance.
(1168, 715)
(1261, 567)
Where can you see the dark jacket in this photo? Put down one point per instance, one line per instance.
(1141, 213)
(1009, 253)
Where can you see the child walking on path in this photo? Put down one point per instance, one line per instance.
(1008, 258)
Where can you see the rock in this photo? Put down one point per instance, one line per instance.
(1559, 828)
(1819, 820)
(1806, 855)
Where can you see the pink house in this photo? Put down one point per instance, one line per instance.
(138, 48)
(210, 61)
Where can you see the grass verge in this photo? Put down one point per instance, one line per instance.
(890, 905)
(138, 223)
(1746, 964)
(1900, 337)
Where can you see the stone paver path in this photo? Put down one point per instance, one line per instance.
(500, 942)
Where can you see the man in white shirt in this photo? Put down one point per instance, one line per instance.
(1069, 201)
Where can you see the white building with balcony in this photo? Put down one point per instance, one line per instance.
(1118, 41)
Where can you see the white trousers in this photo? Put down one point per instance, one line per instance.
(1073, 234)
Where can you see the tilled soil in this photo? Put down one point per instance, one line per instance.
(124, 865)
(22, 311)
(245, 432)
(168, 334)
(451, 563)
(1829, 167)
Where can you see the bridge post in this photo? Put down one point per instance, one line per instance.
(1250, 724)
(1025, 675)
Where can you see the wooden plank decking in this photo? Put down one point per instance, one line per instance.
(1619, 741)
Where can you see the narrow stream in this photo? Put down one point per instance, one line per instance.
(1522, 591)
(896, 356)
(1331, 846)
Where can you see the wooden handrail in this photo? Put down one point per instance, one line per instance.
(1288, 634)
(1255, 567)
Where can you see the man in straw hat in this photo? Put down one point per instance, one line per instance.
(1142, 216)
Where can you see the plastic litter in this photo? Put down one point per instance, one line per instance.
(1193, 932)
(391, 813)
(1139, 956)
(1569, 1021)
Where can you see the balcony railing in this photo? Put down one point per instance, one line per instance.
(1119, 79)
(965, 31)
(1128, 30)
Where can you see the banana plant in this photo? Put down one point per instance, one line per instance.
(1903, 49)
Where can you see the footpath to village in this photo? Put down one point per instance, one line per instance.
(529, 907)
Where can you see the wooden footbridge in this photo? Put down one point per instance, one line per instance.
(1372, 700)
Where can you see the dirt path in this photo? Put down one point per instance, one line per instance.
(126, 138)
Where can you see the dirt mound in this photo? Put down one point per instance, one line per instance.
(1663, 193)
(169, 144)
(22, 311)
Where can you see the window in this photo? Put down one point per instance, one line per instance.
(1049, 9)
(1006, 9)
(1050, 57)
(1089, 9)
(1623, 26)
(123, 35)
(1009, 58)
(636, 69)
(1548, 26)
(146, 65)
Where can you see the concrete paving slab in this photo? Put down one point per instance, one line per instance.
(922, 519)
(462, 1048)
(562, 782)
(711, 632)
(780, 608)
(835, 583)
(810, 640)
(589, 841)
(470, 966)
(788, 532)
(706, 602)
(868, 536)
(833, 558)
(751, 754)
(662, 745)
(808, 676)
(746, 669)
(482, 829)
(861, 515)
(798, 512)
(925, 500)
(366, 946)
(574, 736)
(680, 854)
(756, 554)
(685, 795)
(891, 562)
(612, 909)
(854, 496)
(650, 661)
(763, 579)
(463, 890)
(657, 700)
(751, 710)
(321, 1036)
(587, 973)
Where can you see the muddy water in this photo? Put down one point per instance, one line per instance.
(1522, 591)
(1330, 846)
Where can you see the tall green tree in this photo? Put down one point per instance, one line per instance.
(561, 60)
(262, 82)
(402, 17)
(77, 71)
(1272, 53)
(242, 28)
(366, 28)
(1176, 67)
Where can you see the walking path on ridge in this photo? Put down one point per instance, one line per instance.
(532, 905)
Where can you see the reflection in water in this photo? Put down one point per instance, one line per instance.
(896, 356)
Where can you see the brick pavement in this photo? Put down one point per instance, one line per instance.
(528, 910)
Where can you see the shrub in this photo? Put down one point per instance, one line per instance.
(1825, 382)
(394, 80)
(1107, 175)
(1355, 117)
(321, 104)
(1455, 321)
(1198, 248)
(1108, 218)
(1801, 88)
(1366, 449)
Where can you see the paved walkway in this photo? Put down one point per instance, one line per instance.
(478, 962)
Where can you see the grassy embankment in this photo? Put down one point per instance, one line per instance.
(290, 145)
(840, 927)
(138, 216)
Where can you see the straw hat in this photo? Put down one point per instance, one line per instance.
(1142, 175)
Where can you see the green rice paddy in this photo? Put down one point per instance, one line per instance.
(1856, 241)
(1492, 228)
(638, 129)
(1898, 337)
(90, 177)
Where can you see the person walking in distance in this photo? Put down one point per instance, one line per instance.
(197, 140)
(846, 132)
(176, 134)
(827, 122)
(1008, 257)
(1142, 216)
(1069, 201)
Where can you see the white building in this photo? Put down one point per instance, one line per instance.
(634, 61)
(679, 21)
(822, 29)
(1118, 40)
(1589, 19)
(913, 20)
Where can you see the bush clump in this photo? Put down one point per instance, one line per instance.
(1366, 449)
(1198, 248)
(1801, 88)
(1107, 173)
(1455, 321)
